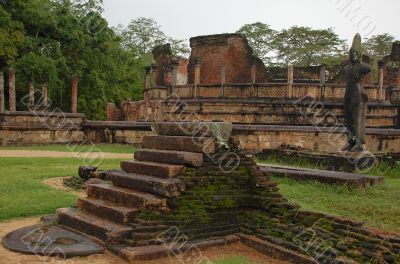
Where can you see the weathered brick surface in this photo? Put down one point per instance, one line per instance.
(106, 210)
(191, 159)
(151, 168)
(104, 230)
(152, 185)
(127, 197)
(229, 50)
(180, 143)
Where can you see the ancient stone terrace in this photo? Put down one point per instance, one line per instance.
(225, 81)
(191, 177)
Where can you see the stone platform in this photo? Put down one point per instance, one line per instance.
(34, 128)
(328, 177)
(205, 192)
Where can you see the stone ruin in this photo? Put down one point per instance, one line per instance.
(191, 187)
(224, 80)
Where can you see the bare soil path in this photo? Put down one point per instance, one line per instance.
(8, 257)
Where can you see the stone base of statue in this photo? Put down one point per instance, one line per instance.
(361, 160)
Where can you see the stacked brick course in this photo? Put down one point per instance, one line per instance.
(183, 179)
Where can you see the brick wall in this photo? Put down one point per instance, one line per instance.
(229, 50)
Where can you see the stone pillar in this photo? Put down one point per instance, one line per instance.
(111, 112)
(147, 80)
(2, 108)
(381, 95)
(153, 75)
(31, 102)
(45, 98)
(11, 89)
(253, 73)
(74, 94)
(398, 78)
(322, 80)
(290, 81)
(223, 79)
(197, 73)
(175, 64)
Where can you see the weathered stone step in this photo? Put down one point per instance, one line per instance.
(330, 177)
(104, 230)
(164, 187)
(197, 129)
(127, 197)
(133, 254)
(192, 159)
(164, 171)
(106, 210)
(180, 143)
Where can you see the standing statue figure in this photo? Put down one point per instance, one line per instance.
(356, 98)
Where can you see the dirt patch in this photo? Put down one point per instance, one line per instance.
(60, 154)
(58, 184)
(8, 257)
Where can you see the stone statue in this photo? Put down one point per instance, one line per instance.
(356, 98)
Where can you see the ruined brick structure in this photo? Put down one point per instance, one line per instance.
(231, 51)
(166, 62)
(225, 81)
(186, 180)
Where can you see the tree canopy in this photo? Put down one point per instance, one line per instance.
(47, 41)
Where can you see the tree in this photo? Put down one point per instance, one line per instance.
(144, 34)
(379, 46)
(261, 39)
(11, 38)
(307, 46)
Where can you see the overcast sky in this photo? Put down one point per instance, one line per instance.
(188, 18)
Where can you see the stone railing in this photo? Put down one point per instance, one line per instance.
(318, 91)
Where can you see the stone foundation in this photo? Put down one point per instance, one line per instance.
(208, 197)
(34, 128)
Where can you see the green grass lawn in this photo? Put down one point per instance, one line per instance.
(377, 206)
(232, 260)
(109, 148)
(22, 193)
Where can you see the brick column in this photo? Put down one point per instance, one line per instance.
(290, 82)
(31, 102)
(253, 76)
(175, 64)
(74, 94)
(197, 73)
(153, 75)
(11, 90)
(45, 98)
(2, 108)
(322, 80)
(398, 78)
(147, 80)
(253, 73)
(223, 80)
(381, 95)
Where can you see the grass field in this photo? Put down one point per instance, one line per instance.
(22, 193)
(109, 148)
(377, 206)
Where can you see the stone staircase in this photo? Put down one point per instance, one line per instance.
(109, 212)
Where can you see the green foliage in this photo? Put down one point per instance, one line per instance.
(11, 38)
(143, 34)
(261, 39)
(306, 46)
(49, 41)
(302, 46)
(379, 45)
